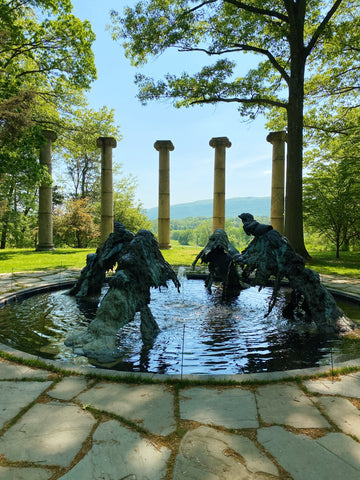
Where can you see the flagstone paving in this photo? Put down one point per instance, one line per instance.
(76, 427)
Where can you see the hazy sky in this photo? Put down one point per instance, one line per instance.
(248, 161)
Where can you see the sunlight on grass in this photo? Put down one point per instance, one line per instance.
(347, 265)
(22, 260)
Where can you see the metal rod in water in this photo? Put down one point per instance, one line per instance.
(332, 365)
(182, 351)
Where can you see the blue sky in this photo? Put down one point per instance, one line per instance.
(248, 161)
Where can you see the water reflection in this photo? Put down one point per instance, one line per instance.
(220, 337)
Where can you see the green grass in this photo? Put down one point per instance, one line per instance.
(181, 254)
(27, 260)
(23, 260)
(348, 265)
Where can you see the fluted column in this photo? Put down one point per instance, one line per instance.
(107, 196)
(45, 238)
(164, 147)
(219, 143)
(277, 139)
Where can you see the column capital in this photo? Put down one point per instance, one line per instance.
(106, 142)
(49, 135)
(164, 144)
(220, 142)
(277, 137)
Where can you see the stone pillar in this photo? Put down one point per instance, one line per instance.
(277, 139)
(164, 147)
(45, 237)
(107, 196)
(219, 143)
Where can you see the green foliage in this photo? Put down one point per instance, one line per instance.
(196, 231)
(44, 52)
(20, 177)
(45, 59)
(75, 226)
(285, 35)
(127, 210)
(331, 202)
(79, 152)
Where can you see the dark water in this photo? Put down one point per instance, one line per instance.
(199, 333)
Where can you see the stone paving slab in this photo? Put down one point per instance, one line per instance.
(68, 388)
(119, 453)
(150, 406)
(10, 473)
(287, 405)
(10, 370)
(238, 407)
(346, 385)
(207, 454)
(343, 413)
(14, 396)
(332, 457)
(48, 434)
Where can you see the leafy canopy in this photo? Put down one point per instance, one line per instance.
(265, 28)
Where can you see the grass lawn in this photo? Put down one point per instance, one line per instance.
(27, 259)
(22, 260)
(347, 265)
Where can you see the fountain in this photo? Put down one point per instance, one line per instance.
(237, 324)
(268, 255)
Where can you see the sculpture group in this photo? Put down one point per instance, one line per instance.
(140, 266)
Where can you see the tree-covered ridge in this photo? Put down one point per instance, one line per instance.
(259, 206)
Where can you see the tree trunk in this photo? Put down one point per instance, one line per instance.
(6, 219)
(293, 204)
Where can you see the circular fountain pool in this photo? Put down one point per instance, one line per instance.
(200, 334)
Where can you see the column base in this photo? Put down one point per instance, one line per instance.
(44, 247)
(165, 246)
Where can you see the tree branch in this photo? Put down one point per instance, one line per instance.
(321, 27)
(244, 48)
(260, 11)
(197, 7)
(269, 55)
(254, 101)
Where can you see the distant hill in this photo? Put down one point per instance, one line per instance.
(257, 206)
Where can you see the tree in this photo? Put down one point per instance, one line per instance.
(75, 226)
(20, 177)
(44, 52)
(285, 33)
(79, 151)
(127, 210)
(45, 61)
(331, 201)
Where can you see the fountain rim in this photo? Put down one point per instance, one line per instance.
(161, 377)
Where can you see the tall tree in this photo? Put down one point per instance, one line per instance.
(284, 33)
(77, 148)
(45, 60)
(20, 177)
(45, 51)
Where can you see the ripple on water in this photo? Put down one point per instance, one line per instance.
(200, 334)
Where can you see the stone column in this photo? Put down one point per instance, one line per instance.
(277, 139)
(219, 143)
(45, 237)
(107, 196)
(164, 147)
